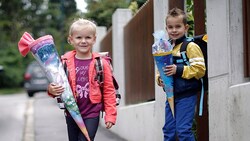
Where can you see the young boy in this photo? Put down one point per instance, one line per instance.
(186, 80)
(81, 74)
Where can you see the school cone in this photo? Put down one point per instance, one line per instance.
(163, 59)
(162, 52)
(44, 51)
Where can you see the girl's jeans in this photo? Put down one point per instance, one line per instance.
(74, 132)
(181, 124)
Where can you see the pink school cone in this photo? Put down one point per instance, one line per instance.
(28, 44)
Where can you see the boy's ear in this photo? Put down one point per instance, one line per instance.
(186, 27)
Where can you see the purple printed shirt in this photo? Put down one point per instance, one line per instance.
(87, 109)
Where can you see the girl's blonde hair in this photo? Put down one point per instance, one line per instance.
(82, 22)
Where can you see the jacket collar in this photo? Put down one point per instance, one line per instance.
(72, 53)
(178, 41)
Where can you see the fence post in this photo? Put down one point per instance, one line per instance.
(160, 13)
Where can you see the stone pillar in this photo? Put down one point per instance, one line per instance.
(100, 34)
(160, 12)
(119, 20)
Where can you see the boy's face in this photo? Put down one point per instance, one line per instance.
(82, 39)
(175, 27)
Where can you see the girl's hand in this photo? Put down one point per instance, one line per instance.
(170, 70)
(55, 89)
(109, 125)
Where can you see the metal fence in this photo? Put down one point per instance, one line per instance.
(139, 65)
(106, 43)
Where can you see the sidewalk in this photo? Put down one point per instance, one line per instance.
(104, 134)
(44, 121)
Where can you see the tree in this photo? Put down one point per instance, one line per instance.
(101, 11)
(38, 17)
(13, 19)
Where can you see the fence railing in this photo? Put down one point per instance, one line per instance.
(139, 73)
(106, 43)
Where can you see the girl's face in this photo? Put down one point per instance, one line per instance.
(82, 39)
(175, 27)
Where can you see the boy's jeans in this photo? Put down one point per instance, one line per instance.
(182, 123)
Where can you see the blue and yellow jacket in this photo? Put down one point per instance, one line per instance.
(186, 79)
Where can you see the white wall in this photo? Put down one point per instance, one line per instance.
(100, 34)
(228, 89)
(218, 64)
(160, 12)
(119, 19)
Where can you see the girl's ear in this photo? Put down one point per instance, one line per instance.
(95, 38)
(68, 40)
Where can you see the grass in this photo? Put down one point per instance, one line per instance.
(5, 91)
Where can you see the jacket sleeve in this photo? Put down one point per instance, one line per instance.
(197, 66)
(109, 97)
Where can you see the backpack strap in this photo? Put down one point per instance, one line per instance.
(99, 71)
(65, 68)
(100, 77)
(185, 59)
(183, 51)
(202, 97)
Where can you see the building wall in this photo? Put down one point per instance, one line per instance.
(228, 91)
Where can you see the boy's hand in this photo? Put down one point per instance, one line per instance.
(55, 89)
(160, 82)
(170, 70)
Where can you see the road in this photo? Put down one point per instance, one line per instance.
(37, 119)
(12, 110)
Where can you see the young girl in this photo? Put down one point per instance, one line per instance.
(81, 74)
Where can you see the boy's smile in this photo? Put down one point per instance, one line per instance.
(175, 27)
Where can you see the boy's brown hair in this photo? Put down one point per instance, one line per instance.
(175, 12)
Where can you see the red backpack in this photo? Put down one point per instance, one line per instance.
(100, 75)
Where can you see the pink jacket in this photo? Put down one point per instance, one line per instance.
(94, 88)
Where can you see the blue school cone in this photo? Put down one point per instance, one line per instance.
(162, 60)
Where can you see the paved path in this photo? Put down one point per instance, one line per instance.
(49, 122)
(12, 108)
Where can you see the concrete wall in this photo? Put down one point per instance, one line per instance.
(100, 34)
(228, 92)
(119, 19)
